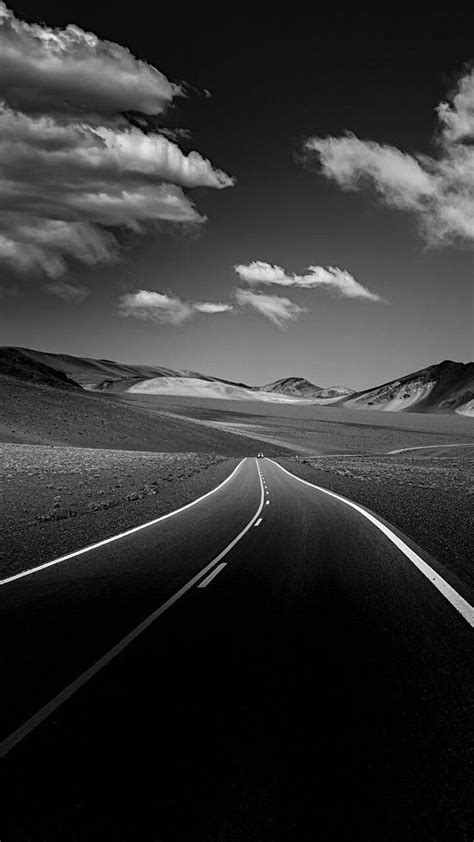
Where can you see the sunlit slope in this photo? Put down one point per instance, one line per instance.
(446, 387)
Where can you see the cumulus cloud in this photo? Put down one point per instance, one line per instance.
(73, 171)
(155, 307)
(276, 308)
(72, 293)
(439, 190)
(73, 73)
(337, 280)
(211, 307)
(165, 308)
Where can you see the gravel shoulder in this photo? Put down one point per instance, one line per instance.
(59, 499)
(428, 498)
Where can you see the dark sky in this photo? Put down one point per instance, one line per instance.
(275, 79)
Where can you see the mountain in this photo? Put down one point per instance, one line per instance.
(112, 377)
(297, 386)
(445, 387)
(86, 371)
(14, 362)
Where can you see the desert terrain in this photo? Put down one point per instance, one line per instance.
(81, 463)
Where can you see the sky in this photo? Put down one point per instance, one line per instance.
(248, 196)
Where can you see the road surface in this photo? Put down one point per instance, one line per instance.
(270, 663)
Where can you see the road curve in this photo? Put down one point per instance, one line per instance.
(308, 682)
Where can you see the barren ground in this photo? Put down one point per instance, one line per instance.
(59, 499)
(79, 467)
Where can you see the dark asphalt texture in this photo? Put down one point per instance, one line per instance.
(318, 688)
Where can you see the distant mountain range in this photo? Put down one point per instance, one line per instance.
(445, 387)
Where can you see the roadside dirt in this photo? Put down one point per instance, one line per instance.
(59, 499)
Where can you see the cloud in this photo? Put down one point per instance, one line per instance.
(337, 280)
(155, 307)
(211, 308)
(73, 171)
(438, 190)
(457, 118)
(165, 308)
(73, 73)
(277, 309)
(72, 293)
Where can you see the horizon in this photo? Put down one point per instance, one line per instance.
(239, 381)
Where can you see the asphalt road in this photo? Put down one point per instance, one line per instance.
(309, 682)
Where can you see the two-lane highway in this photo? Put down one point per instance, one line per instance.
(271, 663)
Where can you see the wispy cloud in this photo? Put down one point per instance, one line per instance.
(276, 308)
(438, 190)
(165, 308)
(337, 280)
(73, 170)
(72, 293)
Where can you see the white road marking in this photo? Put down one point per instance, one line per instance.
(267, 503)
(259, 521)
(211, 576)
(457, 601)
(117, 537)
(49, 708)
(426, 447)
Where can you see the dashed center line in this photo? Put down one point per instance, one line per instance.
(259, 521)
(211, 576)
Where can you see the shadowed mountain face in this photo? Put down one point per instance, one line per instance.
(14, 362)
(85, 371)
(446, 387)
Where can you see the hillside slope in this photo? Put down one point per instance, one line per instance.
(445, 387)
(15, 363)
(33, 413)
(87, 371)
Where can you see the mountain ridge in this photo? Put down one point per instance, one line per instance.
(443, 387)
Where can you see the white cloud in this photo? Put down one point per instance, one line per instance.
(457, 118)
(72, 293)
(165, 308)
(211, 307)
(398, 177)
(277, 309)
(73, 172)
(338, 280)
(73, 73)
(155, 306)
(438, 190)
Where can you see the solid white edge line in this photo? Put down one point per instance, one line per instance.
(119, 536)
(457, 601)
(49, 708)
(212, 575)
